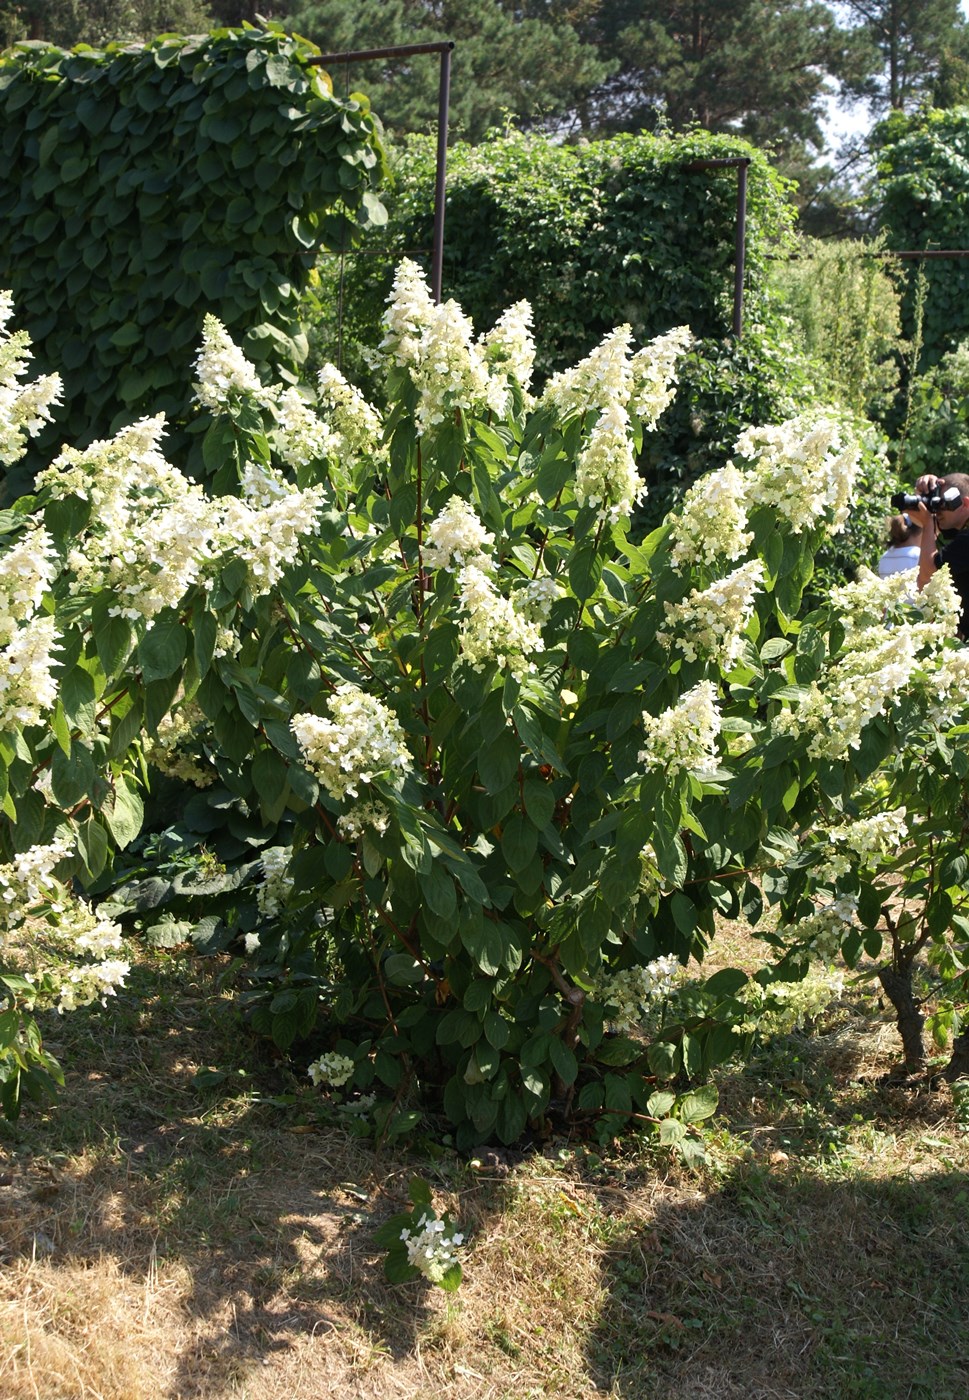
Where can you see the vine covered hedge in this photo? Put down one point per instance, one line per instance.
(145, 183)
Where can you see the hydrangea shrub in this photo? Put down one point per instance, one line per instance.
(527, 761)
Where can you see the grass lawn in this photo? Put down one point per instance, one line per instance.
(159, 1239)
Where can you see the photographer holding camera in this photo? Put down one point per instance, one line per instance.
(941, 508)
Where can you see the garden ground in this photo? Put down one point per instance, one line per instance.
(166, 1237)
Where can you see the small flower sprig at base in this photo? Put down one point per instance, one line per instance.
(420, 1243)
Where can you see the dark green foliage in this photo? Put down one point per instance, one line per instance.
(937, 437)
(690, 61)
(910, 51)
(143, 187)
(69, 22)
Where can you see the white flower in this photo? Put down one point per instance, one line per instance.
(509, 347)
(251, 941)
(606, 475)
(365, 816)
(272, 895)
(457, 537)
(875, 837)
(603, 378)
(28, 880)
(654, 374)
(495, 628)
(355, 427)
(805, 470)
(360, 739)
(684, 737)
(431, 1247)
(24, 408)
(332, 1069)
(537, 599)
(822, 933)
(435, 345)
(711, 521)
(223, 370)
(301, 436)
(863, 684)
(27, 570)
(629, 993)
(712, 620)
(267, 537)
(28, 691)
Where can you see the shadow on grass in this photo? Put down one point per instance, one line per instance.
(270, 1215)
(782, 1285)
(795, 1270)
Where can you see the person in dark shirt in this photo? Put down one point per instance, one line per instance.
(945, 538)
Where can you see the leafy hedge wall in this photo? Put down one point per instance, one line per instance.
(145, 185)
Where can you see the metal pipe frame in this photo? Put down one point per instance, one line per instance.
(741, 164)
(444, 48)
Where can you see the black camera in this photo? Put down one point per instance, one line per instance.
(936, 500)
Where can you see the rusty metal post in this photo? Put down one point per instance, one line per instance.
(443, 105)
(444, 48)
(740, 255)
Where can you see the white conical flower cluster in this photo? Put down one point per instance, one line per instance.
(436, 347)
(623, 389)
(359, 740)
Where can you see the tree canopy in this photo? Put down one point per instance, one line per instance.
(690, 61)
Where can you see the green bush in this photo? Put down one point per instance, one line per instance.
(842, 299)
(937, 436)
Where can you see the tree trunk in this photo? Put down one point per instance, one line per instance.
(897, 984)
(958, 1066)
(895, 96)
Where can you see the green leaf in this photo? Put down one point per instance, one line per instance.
(564, 1062)
(73, 775)
(585, 571)
(699, 1103)
(437, 887)
(77, 698)
(498, 761)
(162, 650)
(671, 1133)
(124, 814)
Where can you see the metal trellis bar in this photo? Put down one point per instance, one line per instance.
(444, 48)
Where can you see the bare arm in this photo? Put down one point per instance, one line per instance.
(927, 543)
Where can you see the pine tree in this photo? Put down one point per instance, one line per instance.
(526, 61)
(761, 70)
(918, 52)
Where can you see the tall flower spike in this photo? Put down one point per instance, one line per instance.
(223, 370)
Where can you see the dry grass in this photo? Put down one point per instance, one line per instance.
(158, 1242)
